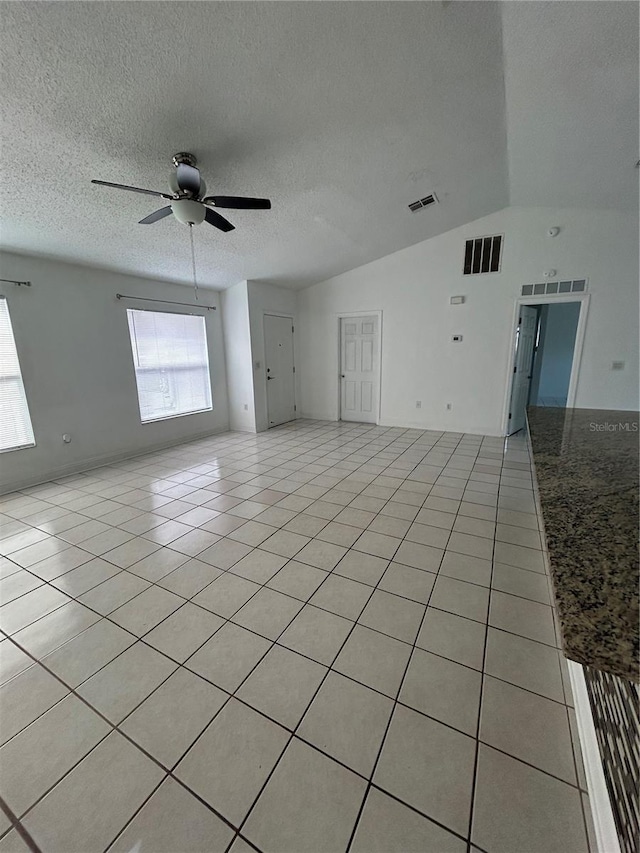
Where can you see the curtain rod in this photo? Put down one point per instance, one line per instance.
(165, 301)
(17, 283)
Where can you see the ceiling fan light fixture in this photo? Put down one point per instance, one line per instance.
(188, 200)
(188, 212)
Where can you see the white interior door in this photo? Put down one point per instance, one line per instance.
(278, 348)
(359, 380)
(523, 365)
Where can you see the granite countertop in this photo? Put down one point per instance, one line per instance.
(586, 465)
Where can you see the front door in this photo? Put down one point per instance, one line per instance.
(359, 355)
(278, 346)
(523, 364)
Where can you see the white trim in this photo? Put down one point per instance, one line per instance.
(318, 416)
(584, 299)
(339, 317)
(603, 822)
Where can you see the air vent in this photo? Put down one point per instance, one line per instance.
(428, 200)
(555, 288)
(482, 255)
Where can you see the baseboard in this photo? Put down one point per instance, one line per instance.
(318, 416)
(80, 466)
(473, 430)
(398, 424)
(603, 821)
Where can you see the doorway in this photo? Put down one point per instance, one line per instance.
(360, 368)
(278, 349)
(547, 344)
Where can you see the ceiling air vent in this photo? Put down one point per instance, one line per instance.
(482, 254)
(427, 201)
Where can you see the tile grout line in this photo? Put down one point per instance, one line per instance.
(314, 695)
(480, 701)
(17, 826)
(388, 726)
(115, 726)
(294, 734)
(262, 586)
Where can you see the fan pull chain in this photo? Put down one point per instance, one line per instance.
(193, 261)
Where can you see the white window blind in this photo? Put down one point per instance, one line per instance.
(171, 363)
(15, 423)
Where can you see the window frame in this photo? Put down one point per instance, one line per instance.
(20, 377)
(143, 421)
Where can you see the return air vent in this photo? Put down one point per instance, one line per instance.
(555, 288)
(482, 255)
(428, 200)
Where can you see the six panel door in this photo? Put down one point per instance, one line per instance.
(359, 352)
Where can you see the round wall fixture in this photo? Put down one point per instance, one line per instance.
(554, 231)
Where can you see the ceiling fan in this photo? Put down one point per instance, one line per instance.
(188, 200)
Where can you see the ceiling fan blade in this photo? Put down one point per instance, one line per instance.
(156, 216)
(131, 189)
(218, 221)
(188, 178)
(238, 203)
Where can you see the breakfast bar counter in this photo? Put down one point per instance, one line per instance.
(586, 463)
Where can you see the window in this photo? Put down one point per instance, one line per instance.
(171, 364)
(15, 423)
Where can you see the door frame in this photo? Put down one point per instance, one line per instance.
(339, 318)
(264, 361)
(583, 299)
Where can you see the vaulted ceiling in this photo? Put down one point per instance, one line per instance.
(342, 113)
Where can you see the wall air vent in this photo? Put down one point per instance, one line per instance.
(482, 254)
(555, 288)
(427, 201)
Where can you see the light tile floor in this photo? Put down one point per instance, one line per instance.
(327, 637)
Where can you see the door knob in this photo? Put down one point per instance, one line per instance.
(269, 377)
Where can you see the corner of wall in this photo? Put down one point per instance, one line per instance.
(237, 347)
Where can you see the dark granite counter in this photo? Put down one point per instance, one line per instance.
(586, 463)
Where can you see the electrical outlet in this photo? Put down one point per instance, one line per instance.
(449, 406)
(418, 404)
(246, 407)
(617, 365)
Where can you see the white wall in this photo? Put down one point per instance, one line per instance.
(73, 344)
(265, 299)
(561, 324)
(237, 344)
(412, 288)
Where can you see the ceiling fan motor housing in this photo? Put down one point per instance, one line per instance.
(188, 212)
(175, 187)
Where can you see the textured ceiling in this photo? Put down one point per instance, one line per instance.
(341, 113)
(571, 76)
